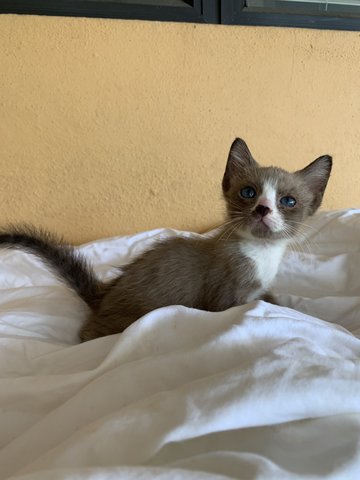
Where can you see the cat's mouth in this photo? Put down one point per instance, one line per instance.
(262, 224)
(264, 227)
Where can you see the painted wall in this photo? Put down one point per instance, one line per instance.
(110, 127)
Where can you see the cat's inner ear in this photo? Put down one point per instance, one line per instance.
(316, 176)
(239, 159)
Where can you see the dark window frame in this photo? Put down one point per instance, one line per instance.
(230, 12)
(235, 12)
(196, 11)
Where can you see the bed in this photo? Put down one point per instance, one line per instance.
(258, 391)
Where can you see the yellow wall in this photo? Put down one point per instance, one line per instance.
(110, 127)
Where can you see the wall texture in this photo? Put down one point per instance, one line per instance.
(110, 127)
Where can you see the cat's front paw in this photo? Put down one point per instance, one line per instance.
(269, 298)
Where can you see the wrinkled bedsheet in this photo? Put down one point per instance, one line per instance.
(256, 392)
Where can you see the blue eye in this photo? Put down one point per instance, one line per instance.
(288, 201)
(248, 192)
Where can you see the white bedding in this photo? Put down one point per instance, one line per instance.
(258, 391)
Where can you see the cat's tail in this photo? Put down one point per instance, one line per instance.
(62, 259)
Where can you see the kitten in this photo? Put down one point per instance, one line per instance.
(265, 209)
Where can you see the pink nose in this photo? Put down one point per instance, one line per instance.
(265, 202)
(262, 210)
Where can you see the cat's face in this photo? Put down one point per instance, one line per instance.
(268, 202)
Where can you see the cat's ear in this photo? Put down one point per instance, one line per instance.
(239, 159)
(316, 176)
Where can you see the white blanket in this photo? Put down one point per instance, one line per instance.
(258, 391)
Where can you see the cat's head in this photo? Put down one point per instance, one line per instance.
(269, 202)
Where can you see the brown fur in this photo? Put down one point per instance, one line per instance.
(207, 274)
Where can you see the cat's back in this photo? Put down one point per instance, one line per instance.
(172, 272)
(174, 253)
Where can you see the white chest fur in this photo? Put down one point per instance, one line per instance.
(266, 257)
